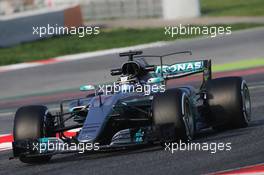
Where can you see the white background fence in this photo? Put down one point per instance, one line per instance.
(92, 9)
(113, 9)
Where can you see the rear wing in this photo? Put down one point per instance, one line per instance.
(181, 69)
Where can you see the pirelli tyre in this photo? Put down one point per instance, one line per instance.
(32, 122)
(173, 116)
(229, 102)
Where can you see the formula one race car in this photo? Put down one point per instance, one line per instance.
(137, 109)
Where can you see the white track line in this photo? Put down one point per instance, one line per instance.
(6, 114)
(5, 146)
(18, 66)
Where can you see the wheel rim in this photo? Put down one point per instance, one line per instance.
(246, 103)
(188, 122)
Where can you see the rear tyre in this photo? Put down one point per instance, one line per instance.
(173, 116)
(229, 102)
(32, 122)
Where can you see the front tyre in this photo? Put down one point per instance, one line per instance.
(32, 122)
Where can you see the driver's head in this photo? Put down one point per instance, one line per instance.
(131, 68)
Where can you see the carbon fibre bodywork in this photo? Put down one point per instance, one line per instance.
(124, 118)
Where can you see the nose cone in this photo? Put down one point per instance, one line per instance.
(89, 133)
(94, 123)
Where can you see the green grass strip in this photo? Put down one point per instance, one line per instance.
(237, 65)
(232, 7)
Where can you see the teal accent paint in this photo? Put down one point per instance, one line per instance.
(180, 68)
(44, 140)
(139, 136)
(156, 80)
(87, 88)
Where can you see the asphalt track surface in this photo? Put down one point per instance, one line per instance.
(247, 143)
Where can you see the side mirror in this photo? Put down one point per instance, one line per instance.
(156, 80)
(87, 88)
